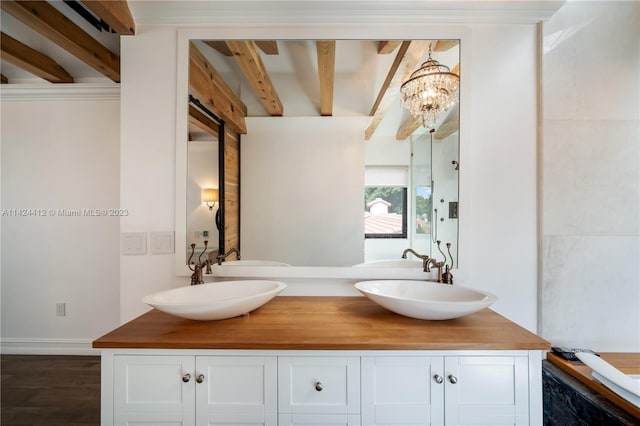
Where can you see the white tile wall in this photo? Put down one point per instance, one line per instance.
(591, 184)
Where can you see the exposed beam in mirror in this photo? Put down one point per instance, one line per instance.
(202, 121)
(326, 50)
(30, 60)
(447, 128)
(407, 128)
(442, 45)
(386, 47)
(46, 20)
(390, 76)
(3, 79)
(246, 54)
(211, 89)
(116, 13)
(220, 46)
(269, 47)
(403, 65)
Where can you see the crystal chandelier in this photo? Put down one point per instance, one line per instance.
(431, 90)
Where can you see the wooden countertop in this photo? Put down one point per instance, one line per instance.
(628, 363)
(323, 323)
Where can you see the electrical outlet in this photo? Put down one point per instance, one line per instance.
(61, 309)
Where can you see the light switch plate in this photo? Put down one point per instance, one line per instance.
(134, 243)
(161, 242)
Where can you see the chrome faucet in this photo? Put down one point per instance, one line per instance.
(222, 257)
(425, 259)
(196, 277)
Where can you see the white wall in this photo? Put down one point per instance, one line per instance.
(591, 252)
(498, 169)
(147, 180)
(60, 155)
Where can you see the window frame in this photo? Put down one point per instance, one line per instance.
(405, 209)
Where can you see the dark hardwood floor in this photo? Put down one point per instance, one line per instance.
(48, 390)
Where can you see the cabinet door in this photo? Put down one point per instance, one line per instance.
(151, 390)
(236, 390)
(319, 420)
(402, 391)
(487, 391)
(319, 385)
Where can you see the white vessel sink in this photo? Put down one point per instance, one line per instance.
(250, 262)
(215, 301)
(625, 385)
(391, 263)
(424, 299)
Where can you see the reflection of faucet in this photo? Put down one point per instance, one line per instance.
(447, 276)
(196, 277)
(222, 257)
(425, 259)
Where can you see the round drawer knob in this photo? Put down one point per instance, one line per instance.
(318, 386)
(200, 378)
(186, 378)
(452, 379)
(438, 379)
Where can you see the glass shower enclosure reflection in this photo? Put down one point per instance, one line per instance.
(434, 189)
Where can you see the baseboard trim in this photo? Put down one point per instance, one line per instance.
(19, 346)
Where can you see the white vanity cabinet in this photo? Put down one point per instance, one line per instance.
(190, 390)
(329, 388)
(451, 390)
(323, 361)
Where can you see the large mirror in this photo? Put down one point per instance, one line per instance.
(334, 170)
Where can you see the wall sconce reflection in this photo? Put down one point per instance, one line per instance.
(210, 196)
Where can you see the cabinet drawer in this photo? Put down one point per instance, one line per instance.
(321, 385)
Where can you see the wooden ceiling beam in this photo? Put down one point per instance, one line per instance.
(404, 64)
(202, 121)
(385, 47)
(3, 79)
(46, 20)
(246, 54)
(326, 50)
(22, 56)
(116, 13)
(209, 87)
